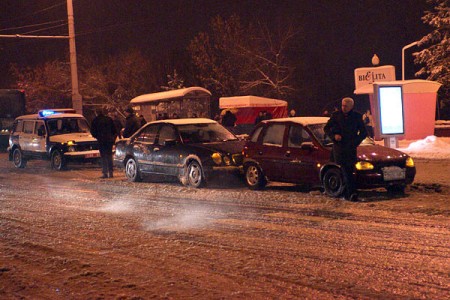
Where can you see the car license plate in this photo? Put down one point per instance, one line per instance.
(393, 173)
(92, 155)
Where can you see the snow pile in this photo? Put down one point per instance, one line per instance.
(431, 147)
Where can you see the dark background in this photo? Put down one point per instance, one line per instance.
(335, 36)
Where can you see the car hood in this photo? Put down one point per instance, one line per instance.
(77, 137)
(379, 153)
(231, 147)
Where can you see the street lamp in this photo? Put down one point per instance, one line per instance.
(403, 57)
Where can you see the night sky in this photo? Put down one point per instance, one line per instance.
(335, 36)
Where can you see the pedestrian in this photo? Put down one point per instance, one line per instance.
(142, 120)
(368, 121)
(346, 129)
(229, 119)
(104, 130)
(116, 119)
(132, 123)
(259, 117)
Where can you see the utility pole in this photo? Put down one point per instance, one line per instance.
(77, 100)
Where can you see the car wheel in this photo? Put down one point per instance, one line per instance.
(254, 177)
(195, 175)
(333, 182)
(58, 161)
(396, 189)
(132, 171)
(18, 159)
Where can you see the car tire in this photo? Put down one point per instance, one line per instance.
(18, 159)
(254, 177)
(57, 160)
(194, 175)
(132, 172)
(333, 182)
(397, 189)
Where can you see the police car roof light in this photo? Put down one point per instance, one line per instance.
(48, 112)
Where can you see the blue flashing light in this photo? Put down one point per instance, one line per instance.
(49, 112)
(46, 112)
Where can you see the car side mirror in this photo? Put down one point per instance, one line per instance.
(170, 142)
(308, 146)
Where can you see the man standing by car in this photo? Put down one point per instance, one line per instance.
(346, 129)
(104, 130)
(132, 123)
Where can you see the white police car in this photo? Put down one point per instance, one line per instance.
(59, 135)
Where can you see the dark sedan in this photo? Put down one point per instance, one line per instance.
(296, 150)
(190, 149)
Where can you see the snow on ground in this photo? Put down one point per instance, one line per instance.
(431, 147)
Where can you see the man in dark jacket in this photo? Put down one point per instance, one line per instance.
(104, 130)
(346, 129)
(132, 123)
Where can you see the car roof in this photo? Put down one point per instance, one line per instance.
(186, 121)
(55, 116)
(304, 121)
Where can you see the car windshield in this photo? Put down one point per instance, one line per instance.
(67, 125)
(204, 133)
(319, 133)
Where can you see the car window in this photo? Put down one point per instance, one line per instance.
(67, 125)
(274, 135)
(18, 126)
(166, 132)
(318, 131)
(204, 133)
(255, 134)
(148, 134)
(28, 126)
(297, 136)
(39, 125)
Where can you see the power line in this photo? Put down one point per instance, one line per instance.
(33, 25)
(36, 12)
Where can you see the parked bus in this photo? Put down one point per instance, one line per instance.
(12, 105)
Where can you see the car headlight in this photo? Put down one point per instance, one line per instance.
(217, 158)
(70, 143)
(363, 165)
(409, 162)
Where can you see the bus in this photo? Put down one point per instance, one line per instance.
(12, 105)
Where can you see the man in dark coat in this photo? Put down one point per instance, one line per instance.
(104, 130)
(132, 123)
(346, 129)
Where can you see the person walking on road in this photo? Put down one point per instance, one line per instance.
(104, 130)
(132, 123)
(346, 129)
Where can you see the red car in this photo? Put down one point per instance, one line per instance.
(296, 150)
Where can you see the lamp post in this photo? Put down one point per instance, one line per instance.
(403, 57)
(77, 100)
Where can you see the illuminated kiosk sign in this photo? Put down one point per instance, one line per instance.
(389, 100)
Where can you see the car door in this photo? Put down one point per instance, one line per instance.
(26, 138)
(166, 156)
(143, 146)
(39, 138)
(270, 152)
(300, 160)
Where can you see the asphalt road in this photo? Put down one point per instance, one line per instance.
(72, 235)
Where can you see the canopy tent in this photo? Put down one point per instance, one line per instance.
(186, 102)
(246, 108)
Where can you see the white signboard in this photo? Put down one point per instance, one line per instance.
(367, 76)
(390, 107)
